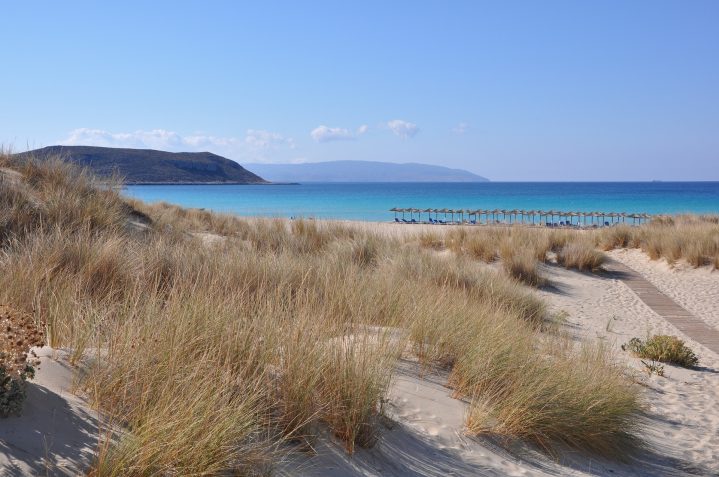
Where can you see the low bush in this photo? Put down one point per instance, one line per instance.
(664, 348)
(18, 333)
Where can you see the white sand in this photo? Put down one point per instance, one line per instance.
(696, 289)
(683, 406)
(56, 433)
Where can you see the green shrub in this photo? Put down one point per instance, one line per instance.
(664, 348)
(12, 390)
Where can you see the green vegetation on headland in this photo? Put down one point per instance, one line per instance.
(147, 166)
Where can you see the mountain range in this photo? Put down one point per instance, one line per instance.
(149, 166)
(361, 171)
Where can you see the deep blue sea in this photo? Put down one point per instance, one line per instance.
(372, 201)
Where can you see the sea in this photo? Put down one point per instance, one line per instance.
(372, 201)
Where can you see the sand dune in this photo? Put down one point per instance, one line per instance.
(424, 432)
(426, 437)
(56, 433)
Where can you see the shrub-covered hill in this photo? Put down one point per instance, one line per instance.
(147, 166)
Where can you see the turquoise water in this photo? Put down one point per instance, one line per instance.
(371, 201)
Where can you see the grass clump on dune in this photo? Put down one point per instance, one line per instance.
(663, 348)
(581, 255)
(521, 263)
(578, 398)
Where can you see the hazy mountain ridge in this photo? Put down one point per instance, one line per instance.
(149, 166)
(362, 171)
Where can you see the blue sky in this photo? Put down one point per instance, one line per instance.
(550, 90)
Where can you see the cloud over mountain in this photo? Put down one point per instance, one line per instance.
(403, 129)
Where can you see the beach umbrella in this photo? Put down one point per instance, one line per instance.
(484, 212)
(576, 214)
(531, 214)
(469, 213)
(477, 215)
(429, 211)
(395, 210)
(541, 213)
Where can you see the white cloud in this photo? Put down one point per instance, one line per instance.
(326, 134)
(262, 139)
(254, 146)
(403, 129)
(460, 128)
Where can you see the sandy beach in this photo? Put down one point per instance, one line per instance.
(423, 429)
(681, 424)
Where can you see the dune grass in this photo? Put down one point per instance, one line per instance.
(689, 237)
(208, 358)
(664, 348)
(581, 255)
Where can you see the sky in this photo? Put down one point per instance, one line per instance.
(511, 90)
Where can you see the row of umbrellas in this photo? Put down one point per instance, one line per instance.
(522, 214)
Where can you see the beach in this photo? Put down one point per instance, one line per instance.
(424, 429)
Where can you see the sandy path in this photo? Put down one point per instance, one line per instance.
(683, 406)
(696, 289)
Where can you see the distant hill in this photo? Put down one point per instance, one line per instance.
(362, 171)
(147, 166)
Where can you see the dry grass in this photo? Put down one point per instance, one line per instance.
(581, 255)
(692, 238)
(521, 263)
(208, 358)
(579, 398)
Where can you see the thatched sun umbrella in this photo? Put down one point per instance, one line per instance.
(395, 210)
(469, 214)
(429, 211)
(478, 215)
(532, 214)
